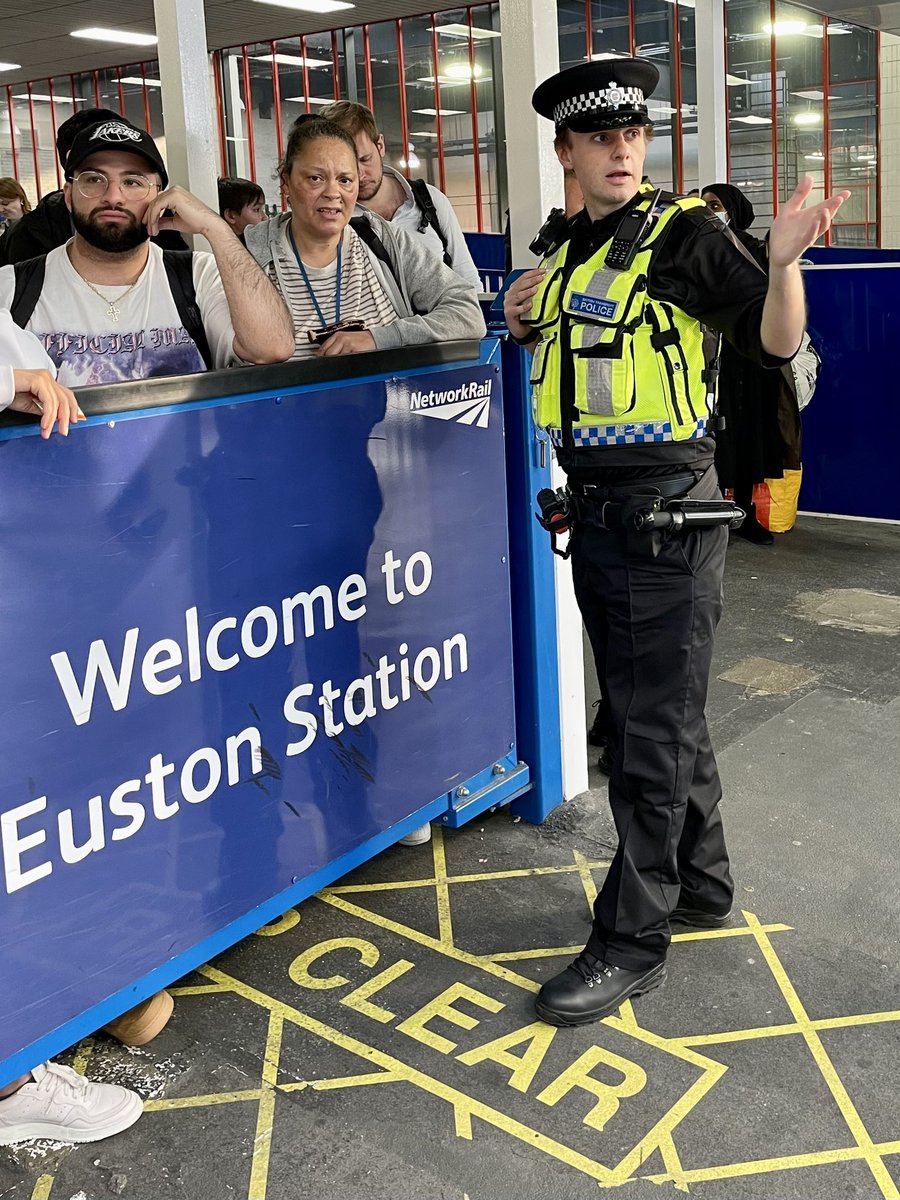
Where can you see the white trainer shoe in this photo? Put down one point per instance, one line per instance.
(63, 1105)
(417, 837)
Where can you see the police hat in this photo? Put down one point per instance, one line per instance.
(608, 94)
(117, 134)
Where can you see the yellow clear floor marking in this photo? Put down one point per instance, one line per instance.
(711, 935)
(199, 1101)
(561, 951)
(42, 1188)
(344, 1081)
(587, 880)
(285, 922)
(790, 1162)
(835, 1084)
(462, 1120)
(441, 890)
(196, 989)
(402, 885)
(672, 1159)
(410, 1075)
(265, 1121)
(767, 1031)
(424, 939)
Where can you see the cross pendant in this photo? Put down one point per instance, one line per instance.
(112, 312)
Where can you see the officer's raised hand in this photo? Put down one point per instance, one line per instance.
(517, 301)
(796, 228)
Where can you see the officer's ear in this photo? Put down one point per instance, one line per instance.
(563, 149)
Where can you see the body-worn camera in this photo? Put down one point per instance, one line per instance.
(552, 233)
(351, 325)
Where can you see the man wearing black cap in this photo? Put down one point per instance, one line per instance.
(624, 318)
(109, 306)
(49, 224)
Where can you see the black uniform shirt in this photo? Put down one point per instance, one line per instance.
(702, 270)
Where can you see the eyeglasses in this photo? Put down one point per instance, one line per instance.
(93, 184)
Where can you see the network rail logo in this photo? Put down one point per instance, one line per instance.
(467, 403)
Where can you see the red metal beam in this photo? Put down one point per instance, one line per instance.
(826, 120)
(34, 145)
(588, 31)
(367, 63)
(59, 181)
(476, 140)
(148, 120)
(335, 67)
(678, 122)
(12, 132)
(121, 92)
(774, 108)
(248, 111)
(878, 111)
(306, 103)
(404, 115)
(279, 129)
(439, 121)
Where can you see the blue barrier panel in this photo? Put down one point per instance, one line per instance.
(851, 428)
(247, 643)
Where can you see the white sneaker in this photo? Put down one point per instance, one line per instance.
(417, 837)
(64, 1106)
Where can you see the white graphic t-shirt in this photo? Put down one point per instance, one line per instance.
(148, 339)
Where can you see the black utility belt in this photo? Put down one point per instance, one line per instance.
(643, 512)
(670, 504)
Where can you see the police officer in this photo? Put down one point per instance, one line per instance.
(624, 319)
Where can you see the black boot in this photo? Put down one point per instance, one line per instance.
(590, 989)
(753, 531)
(699, 918)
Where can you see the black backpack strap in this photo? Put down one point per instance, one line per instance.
(29, 285)
(179, 271)
(365, 231)
(425, 205)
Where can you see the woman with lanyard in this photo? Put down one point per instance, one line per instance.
(349, 294)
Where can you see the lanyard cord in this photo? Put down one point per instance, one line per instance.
(309, 287)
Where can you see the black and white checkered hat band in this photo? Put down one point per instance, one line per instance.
(605, 99)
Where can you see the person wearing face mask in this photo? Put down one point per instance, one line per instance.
(761, 435)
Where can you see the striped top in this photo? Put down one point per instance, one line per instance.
(362, 296)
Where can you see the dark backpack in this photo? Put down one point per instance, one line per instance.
(30, 282)
(364, 230)
(425, 205)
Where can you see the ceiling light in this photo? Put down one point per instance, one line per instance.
(120, 36)
(10, 66)
(136, 79)
(736, 81)
(423, 133)
(807, 118)
(463, 70)
(444, 112)
(51, 99)
(815, 31)
(310, 6)
(312, 99)
(608, 54)
(751, 120)
(291, 60)
(811, 94)
(786, 28)
(816, 156)
(462, 31)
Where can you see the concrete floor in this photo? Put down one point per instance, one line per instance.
(765, 1068)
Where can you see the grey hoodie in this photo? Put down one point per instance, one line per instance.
(432, 302)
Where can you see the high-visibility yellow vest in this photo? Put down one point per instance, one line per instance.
(632, 369)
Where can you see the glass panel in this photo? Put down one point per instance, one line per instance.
(422, 159)
(654, 37)
(853, 147)
(455, 76)
(749, 88)
(800, 100)
(687, 27)
(21, 120)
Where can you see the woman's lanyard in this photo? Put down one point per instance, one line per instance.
(309, 287)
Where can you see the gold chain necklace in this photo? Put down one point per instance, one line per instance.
(112, 310)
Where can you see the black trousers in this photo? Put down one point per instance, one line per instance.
(651, 622)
